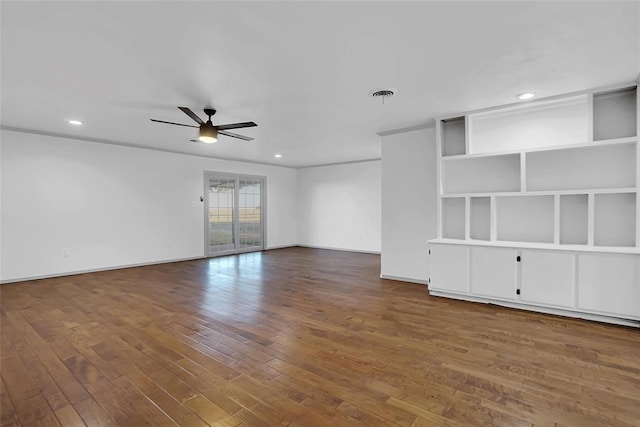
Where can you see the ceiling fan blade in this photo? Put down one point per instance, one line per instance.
(236, 125)
(234, 135)
(172, 123)
(191, 114)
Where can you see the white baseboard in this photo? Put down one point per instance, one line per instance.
(331, 248)
(280, 247)
(403, 279)
(143, 264)
(539, 309)
(96, 270)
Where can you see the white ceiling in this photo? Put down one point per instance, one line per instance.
(302, 70)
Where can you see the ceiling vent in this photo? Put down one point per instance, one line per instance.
(383, 93)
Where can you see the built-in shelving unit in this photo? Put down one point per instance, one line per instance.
(559, 175)
(527, 169)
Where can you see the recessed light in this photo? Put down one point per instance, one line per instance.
(74, 122)
(277, 156)
(526, 95)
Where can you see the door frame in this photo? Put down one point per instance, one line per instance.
(207, 175)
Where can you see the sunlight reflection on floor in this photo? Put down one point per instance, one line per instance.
(224, 275)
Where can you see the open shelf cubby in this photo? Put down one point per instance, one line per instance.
(574, 223)
(480, 220)
(526, 126)
(615, 219)
(453, 218)
(525, 218)
(614, 114)
(481, 174)
(589, 167)
(453, 137)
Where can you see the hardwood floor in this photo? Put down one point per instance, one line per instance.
(298, 337)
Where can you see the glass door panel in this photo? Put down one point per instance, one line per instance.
(222, 236)
(249, 215)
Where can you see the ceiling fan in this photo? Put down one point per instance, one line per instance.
(208, 131)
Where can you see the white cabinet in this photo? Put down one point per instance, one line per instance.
(493, 272)
(449, 270)
(574, 282)
(547, 278)
(610, 284)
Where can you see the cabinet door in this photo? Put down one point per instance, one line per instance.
(493, 272)
(609, 283)
(449, 268)
(547, 278)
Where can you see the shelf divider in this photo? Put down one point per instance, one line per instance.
(439, 185)
(523, 172)
(556, 219)
(493, 226)
(467, 133)
(467, 218)
(591, 221)
(637, 166)
(590, 117)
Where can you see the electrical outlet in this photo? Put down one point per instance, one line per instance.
(65, 252)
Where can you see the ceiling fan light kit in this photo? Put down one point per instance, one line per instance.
(208, 131)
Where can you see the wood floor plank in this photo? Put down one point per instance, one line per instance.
(36, 412)
(161, 398)
(8, 416)
(321, 414)
(65, 380)
(206, 409)
(123, 407)
(298, 337)
(19, 384)
(417, 410)
(93, 414)
(57, 401)
(68, 417)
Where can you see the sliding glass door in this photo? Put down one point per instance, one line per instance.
(234, 217)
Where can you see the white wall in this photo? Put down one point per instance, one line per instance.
(409, 197)
(339, 206)
(113, 206)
